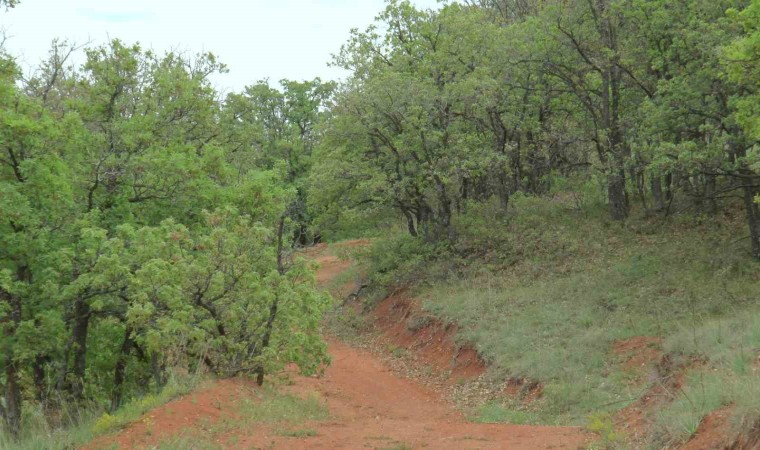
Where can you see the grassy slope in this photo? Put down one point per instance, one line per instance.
(561, 284)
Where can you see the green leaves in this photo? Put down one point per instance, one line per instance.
(741, 60)
(133, 235)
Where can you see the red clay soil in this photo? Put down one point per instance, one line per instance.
(370, 406)
(644, 355)
(404, 324)
(715, 433)
(191, 413)
(640, 352)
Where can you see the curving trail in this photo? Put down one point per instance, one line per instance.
(370, 407)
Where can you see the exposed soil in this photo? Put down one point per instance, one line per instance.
(715, 433)
(658, 378)
(641, 353)
(192, 413)
(405, 325)
(370, 405)
(662, 381)
(712, 432)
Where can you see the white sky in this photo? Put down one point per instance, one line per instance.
(257, 39)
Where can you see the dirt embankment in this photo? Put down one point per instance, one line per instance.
(662, 381)
(405, 325)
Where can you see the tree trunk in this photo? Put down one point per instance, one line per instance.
(710, 188)
(616, 195)
(655, 183)
(267, 336)
(158, 369)
(38, 373)
(410, 223)
(119, 370)
(503, 192)
(12, 410)
(81, 326)
(444, 209)
(751, 192)
(668, 187)
(269, 327)
(13, 401)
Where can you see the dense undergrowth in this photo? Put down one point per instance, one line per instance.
(79, 425)
(544, 292)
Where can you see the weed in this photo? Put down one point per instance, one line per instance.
(397, 447)
(496, 412)
(88, 424)
(299, 433)
(274, 407)
(418, 323)
(185, 442)
(603, 425)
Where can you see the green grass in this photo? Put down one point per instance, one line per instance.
(503, 412)
(544, 293)
(336, 284)
(266, 406)
(728, 377)
(397, 447)
(273, 407)
(298, 433)
(92, 422)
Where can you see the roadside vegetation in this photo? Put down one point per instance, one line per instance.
(569, 176)
(545, 309)
(89, 423)
(147, 227)
(288, 414)
(559, 179)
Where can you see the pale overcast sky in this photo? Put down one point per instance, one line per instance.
(256, 38)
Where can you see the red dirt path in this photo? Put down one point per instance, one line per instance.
(370, 407)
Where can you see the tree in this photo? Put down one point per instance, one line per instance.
(268, 127)
(131, 242)
(743, 62)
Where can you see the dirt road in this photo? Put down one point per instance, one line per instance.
(370, 407)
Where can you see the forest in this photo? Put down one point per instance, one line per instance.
(151, 226)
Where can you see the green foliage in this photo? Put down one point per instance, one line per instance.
(557, 298)
(279, 127)
(137, 235)
(39, 434)
(741, 58)
(146, 225)
(391, 259)
(273, 407)
(603, 425)
(495, 412)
